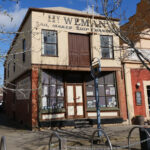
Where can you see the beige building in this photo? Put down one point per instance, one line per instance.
(49, 66)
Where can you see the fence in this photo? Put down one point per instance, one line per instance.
(63, 143)
(3, 143)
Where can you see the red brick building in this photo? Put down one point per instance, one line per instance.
(137, 77)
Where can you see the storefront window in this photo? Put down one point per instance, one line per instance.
(107, 91)
(52, 91)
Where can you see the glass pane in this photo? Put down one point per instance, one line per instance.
(53, 79)
(90, 91)
(50, 49)
(60, 91)
(45, 90)
(111, 101)
(45, 78)
(101, 90)
(102, 101)
(53, 103)
(101, 80)
(44, 102)
(51, 37)
(52, 89)
(106, 41)
(109, 78)
(60, 103)
(59, 80)
(110, 90)
(91, 102)
(106, 53)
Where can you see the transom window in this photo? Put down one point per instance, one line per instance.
(107, 91)
(49, 43)
(106, 46)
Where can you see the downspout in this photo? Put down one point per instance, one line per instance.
(128, 114)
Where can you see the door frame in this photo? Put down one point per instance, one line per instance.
(145, 84)
(75, 105)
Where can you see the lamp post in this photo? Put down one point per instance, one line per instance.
(95, 71)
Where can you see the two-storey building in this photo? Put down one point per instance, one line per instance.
(48, 66)
(137, 77)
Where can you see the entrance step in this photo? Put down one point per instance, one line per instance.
(81, 123)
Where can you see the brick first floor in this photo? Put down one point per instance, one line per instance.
(137, 81)
(58, 97)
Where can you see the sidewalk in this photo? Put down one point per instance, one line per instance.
(22, 139)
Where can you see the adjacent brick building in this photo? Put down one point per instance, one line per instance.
(137, 77)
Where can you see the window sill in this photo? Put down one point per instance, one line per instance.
(60, 110)
(107, 58)
(104, 109)
(49, 56)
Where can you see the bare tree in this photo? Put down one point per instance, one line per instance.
(131, 32)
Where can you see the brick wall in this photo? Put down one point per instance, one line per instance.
(34, 104)
(139, 75)
(121, 95)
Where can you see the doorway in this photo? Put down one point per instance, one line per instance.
(75, 101)
(148, 96)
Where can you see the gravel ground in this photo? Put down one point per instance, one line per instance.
(22, 139)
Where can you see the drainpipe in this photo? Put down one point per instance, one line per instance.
(128, 114)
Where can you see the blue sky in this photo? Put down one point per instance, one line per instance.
(17, 11)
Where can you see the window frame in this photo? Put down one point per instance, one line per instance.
(110, 47)
(14, 66)
(8, 71)
(24, 50)
(43, 43)
(49, 97)
(105, 95)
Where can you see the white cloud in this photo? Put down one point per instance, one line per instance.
(17, 15)
(89, 10)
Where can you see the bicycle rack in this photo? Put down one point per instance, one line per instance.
(101, 130)
(139, 127)
(3, 143)
(58, 137)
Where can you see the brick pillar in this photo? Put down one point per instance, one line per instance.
(34, 100)
(121, 95)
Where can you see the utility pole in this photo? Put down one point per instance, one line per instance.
(95, 71)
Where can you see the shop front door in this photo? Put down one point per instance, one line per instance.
(75, 101)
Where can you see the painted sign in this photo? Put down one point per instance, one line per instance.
(74, 23)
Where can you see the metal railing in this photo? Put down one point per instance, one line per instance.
(102, 132)
(3, 143)
(129, 135)
(54, 134)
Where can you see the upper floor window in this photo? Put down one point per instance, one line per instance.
(24, 50)
(8, 71)
(106, 46)
(49, 43)
(14, 67)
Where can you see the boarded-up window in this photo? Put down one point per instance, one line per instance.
(79, 50)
